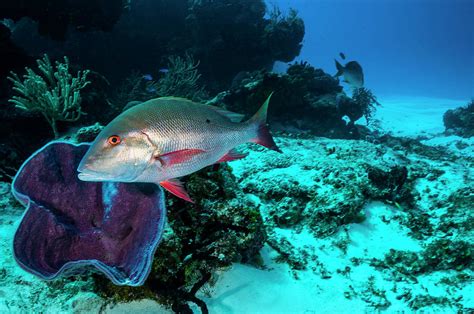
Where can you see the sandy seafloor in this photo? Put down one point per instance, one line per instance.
(278, 288)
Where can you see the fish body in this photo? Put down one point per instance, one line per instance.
(167, 138)
(352, 73)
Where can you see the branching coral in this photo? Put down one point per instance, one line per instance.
(54, 92)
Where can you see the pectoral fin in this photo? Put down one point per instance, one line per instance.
(178, 156)
(175, 187)
(232, 155)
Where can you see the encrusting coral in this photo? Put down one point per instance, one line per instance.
(53, 92)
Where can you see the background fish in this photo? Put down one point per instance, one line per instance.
(352, 72)
(166, 138)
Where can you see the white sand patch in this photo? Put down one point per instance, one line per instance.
(414, 116)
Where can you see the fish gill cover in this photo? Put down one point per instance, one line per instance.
(68, 223)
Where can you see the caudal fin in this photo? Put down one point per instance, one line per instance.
(340, 69)
(259, 120)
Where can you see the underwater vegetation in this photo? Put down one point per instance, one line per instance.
(54, 92)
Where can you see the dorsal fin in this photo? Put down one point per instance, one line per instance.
(232, 116)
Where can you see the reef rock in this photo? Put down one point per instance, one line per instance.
(460, 121)
(304, 98)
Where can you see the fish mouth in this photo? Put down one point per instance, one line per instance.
(88, 175)
(97, 176)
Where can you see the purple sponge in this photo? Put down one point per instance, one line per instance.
(68, 223)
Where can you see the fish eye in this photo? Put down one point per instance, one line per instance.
(114, 140)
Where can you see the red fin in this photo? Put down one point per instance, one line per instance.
(264, 137)
(175, 187)
(232, 155)
(179, 156)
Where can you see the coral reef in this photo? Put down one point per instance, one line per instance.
(460, 121)
(316, 99)
(338, 189)
(346, 213)
(55, 93)
(213, 32)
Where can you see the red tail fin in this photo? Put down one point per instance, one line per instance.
(264, 137)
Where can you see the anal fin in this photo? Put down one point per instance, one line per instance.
(233, 154)
(175, 187)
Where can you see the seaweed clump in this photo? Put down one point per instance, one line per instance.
(460, 121)
(219, 229)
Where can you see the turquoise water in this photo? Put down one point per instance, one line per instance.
(231, 167)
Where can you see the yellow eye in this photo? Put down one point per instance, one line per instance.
(114, 140)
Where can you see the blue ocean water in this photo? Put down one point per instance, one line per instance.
(407, 47)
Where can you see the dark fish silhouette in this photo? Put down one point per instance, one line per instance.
(352, 72)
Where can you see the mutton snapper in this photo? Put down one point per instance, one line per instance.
(166, 138)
